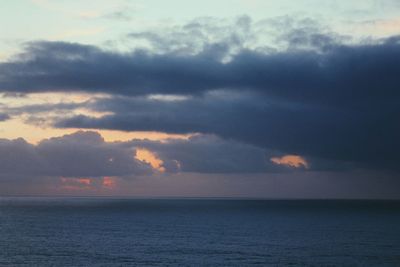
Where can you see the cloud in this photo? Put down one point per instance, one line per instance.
(224, 38)
(366, 137)
(40, 108)
(99, 184)
(149, 157)
(82, 154)
(4, 117)
(319, 98)
(123, 14)
(294, 161)
(185, 59)
(201, 34)
(209, 154)
(83, 160)
(328, 78)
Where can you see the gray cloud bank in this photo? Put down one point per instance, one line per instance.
(83, 154)
(86, 154)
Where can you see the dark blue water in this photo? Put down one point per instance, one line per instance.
(189, 232)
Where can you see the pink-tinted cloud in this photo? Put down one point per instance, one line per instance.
(291, 161)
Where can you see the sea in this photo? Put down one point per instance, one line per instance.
(198, 232)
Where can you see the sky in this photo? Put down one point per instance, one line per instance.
(238, 98)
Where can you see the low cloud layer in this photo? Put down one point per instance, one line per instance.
(84, 159)
(83, 154)
(210, 154)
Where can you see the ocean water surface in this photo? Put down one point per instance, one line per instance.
(198, 232)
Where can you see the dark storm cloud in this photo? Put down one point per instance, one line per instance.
(368, 138)
(355, 76)
(82, 154)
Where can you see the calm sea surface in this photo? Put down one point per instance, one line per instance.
(190, 232)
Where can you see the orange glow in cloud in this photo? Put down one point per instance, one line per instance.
(109, 182)
(76, 183)
(149, 157)
(83, 181)
(88, 184)
(291, 161)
